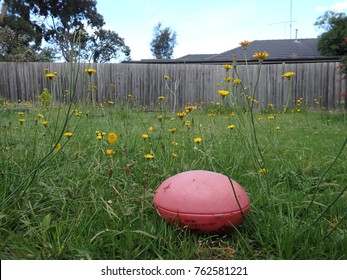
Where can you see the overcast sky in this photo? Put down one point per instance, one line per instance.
(213, 26)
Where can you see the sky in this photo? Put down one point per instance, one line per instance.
(213, 26)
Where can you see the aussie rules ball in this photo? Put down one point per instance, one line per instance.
(202, 200)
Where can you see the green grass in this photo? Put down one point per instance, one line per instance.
(79, 203)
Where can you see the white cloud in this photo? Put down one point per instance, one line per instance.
(338, 7)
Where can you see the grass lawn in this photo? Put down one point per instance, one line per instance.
(92, 199)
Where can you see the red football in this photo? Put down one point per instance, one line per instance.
(202, 200)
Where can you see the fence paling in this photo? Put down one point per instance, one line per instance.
(321, 81)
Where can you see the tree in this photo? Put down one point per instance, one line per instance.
(163, 42)
(106, 45)
(331, 42)
(17, 39)
(70, 27)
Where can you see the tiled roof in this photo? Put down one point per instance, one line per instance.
(196, 57)
(286, 49)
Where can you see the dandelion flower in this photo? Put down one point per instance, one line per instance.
(40, 116)
(172, 130)
(145, 136)
(181, 115)
(112, 138)
(68, 134)
(161, 97)
(159, 117)
(278, 127)
(227, 67)
(20, 113)
(45, 123)
(244, 43)
(166, 77)
(223, 92)
(231, 126)
(263, 171)
(261, 55)
(270, 105)
(110, 152)
(21, 120)
(288, 75)
(148, 156)
(50, 75)
(228, 79)
(99, 136)
(90, 71)
(197, 140)
(271, 117)
(173, 155)
(150, 128)
(57, 147)
(236, 82)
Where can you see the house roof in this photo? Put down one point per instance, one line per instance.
(196, 57)
(280, 50)
(285, 49)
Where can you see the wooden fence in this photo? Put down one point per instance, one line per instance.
(196, 82)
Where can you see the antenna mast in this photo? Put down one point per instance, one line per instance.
(291, 18)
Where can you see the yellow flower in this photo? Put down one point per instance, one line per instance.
(181, 115)
(145, 136)
(261, 55)
(20, 113)
(57, 147)
(21, 120)
(161, 97)
(263, 170)
(45, 123)
(173, 155)
(172, 130)
(190, 108)
(236, 82)
(232, 114)
(40, 116)
(223, 92)
(231, 126)
(159, 117)
(288, 75)
(99, 136)
(174, 143)
(68, 134)
(270, 105)
(227, 67)
(148, 156)
(112, 138)
(110, 152)
(166, 77)
(278, 127)
(150, 128)
(197, 140)
(50, 75)
(245, 43)
(90, 71)
(187, 124)
(228, 79)
(271, 117)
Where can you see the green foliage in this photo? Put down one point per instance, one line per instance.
(57, 22)
(45, 97)
(163, 42)
(331, 42)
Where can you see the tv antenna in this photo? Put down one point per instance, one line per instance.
(290, 21)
